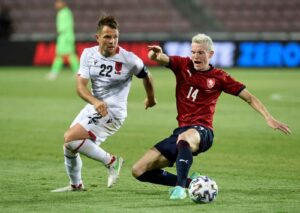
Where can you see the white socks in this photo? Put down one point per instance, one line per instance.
(73, 165)
(90, 149)
(73, 162)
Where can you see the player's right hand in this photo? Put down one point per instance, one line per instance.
(275, 124)
(155, 48)
(150, 102)
(154, 51)
(101, 108)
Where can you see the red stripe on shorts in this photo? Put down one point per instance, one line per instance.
(92, 135)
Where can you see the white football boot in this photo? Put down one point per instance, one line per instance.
(114, 171)
(70, 188)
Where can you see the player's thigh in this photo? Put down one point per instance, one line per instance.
(98, 127)
(76, 132)
(191, 136)
(151, 160)
(200, 138)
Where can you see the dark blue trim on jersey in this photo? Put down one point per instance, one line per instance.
(143, 73)
(238, 92)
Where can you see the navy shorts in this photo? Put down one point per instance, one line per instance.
(167, 147)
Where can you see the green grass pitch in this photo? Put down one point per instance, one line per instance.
(256, 168)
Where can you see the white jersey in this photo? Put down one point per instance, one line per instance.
(111, 77)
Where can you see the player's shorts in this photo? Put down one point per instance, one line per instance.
(98, 127)
(167, 147)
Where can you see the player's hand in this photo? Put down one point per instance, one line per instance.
(149, 102)
(101, 108)
(155, 48)
(154, 51)
(273, 123)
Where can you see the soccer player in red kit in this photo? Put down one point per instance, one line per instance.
(198, 87)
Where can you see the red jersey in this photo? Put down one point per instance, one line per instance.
(197, 92)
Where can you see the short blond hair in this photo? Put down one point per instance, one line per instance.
(202, 38)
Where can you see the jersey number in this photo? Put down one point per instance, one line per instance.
(193, 93)
(105, 70)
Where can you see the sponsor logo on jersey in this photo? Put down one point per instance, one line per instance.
(210, 83)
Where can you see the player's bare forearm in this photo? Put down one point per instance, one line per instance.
(83, 91)
(272, 122)
(86, 95)
(148, 85)
(156, 54)
(256, 104)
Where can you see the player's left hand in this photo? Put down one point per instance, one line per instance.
(273, 123)
(149, 102)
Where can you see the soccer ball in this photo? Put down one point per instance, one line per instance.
(203, 189)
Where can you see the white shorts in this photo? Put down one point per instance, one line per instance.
(98, 127)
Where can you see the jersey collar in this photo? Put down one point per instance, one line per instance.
(211, 67)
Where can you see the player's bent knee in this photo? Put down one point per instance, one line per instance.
(191, 136)
(68, 152)
(182, 137)
(67, 147)
(67, 137)
(136, 171)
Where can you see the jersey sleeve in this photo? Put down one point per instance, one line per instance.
(176, 62)
(232, 86)
(84, 67)
(139, 68)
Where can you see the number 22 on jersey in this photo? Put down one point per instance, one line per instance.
(192, 93)
(105, 70)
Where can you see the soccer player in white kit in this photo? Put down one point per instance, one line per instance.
(110, 68)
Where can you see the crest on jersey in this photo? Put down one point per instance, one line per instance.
(118, 68)
(210, 82)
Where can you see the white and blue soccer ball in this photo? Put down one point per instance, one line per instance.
(203, 189)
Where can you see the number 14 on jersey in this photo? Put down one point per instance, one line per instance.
(192, 93)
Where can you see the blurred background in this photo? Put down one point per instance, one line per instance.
(256, 33)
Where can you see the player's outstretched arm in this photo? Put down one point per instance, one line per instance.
(150, 100)
(256, 104)
(156, 54)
